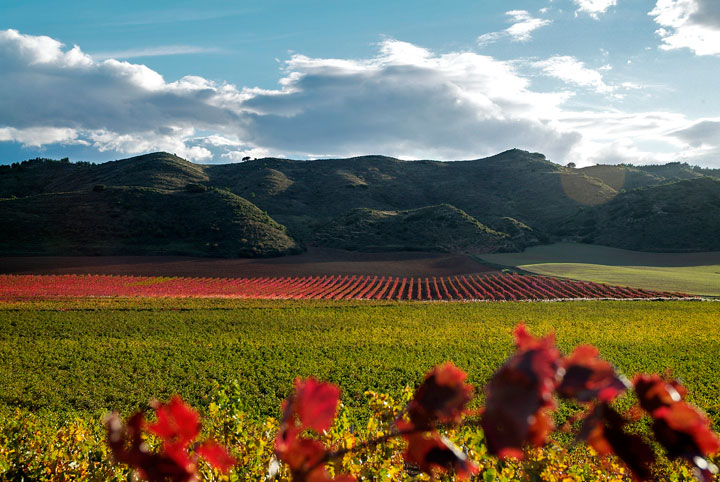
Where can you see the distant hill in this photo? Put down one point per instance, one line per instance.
(432, 228)
(305, 195)
(137, 220)
(504, 202)
(678, 216)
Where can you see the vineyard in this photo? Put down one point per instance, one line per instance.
(492, 287)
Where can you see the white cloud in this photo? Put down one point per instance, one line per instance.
(240, 156)
(572, 71)
(39, 136)
(692, 24)
(520, 31)
(405, 101)
(52, 94)
(594, 7)
(168, 139)
(154, 52)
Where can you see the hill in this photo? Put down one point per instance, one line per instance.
(508, 201)
(138, 220)
(305, 195)
(680, 216)
(433, 228)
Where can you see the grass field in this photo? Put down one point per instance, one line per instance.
(93, 355)
(694, 273)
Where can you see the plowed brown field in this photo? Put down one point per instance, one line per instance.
(315, 262)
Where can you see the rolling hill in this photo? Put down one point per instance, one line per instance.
(679, 216)
(432, 228)
(160, 203)
(140, 220)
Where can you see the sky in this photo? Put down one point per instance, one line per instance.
(583, 81)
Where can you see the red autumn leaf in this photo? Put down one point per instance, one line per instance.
(683, 418)
(441, 397)
(524, 340)
(685, 432)
(654, 392)
(316, 403)
(429, 451)
(588, 377)
(603, 429)
(682, 430)
(177, 423)
(313, 405)
(305, 458)
(216, 455)
(127, 447)
(519, 396)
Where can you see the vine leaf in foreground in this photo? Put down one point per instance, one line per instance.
(520, 396)
(313, 405)
(441, 398)
(177, 426)
(588, 377)
(430, 452)
(682, 430)
(604, 430)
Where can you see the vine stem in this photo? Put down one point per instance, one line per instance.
(366, 444)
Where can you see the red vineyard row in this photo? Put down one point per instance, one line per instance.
(495, 287)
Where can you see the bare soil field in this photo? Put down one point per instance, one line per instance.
(314, 262)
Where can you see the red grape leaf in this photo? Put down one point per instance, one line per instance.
(216, 455)
(316, 403)
(177, 423)
(603, 429)
(654, 392)
(685, 432)
(441, 397)
(429, 451)
(127, 447)
(519, 396)
(588, 377)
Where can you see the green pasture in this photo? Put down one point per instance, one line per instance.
(695, 273)
(90, 356)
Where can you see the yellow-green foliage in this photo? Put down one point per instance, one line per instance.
(99, 355)
(47, 448)
(78, 358)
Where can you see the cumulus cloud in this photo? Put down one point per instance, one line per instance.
(405, 101)
(520, 31)
(39, 136)
(572, 71)
(703, 133)
(692, 24)
(594, 7)
(54, 94)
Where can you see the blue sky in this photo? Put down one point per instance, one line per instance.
(587, 81)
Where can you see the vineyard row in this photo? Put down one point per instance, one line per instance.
(494, 287)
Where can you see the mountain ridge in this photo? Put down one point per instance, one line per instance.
(520, 196)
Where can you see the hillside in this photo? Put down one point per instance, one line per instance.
(432, 228)
(305, 195)
(505, 202)
(680, 216)
(136, 220)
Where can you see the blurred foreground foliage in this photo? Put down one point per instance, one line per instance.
(48, 447)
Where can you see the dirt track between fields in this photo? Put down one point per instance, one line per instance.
(316, 261)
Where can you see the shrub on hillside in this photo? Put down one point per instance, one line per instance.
(195, 187)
